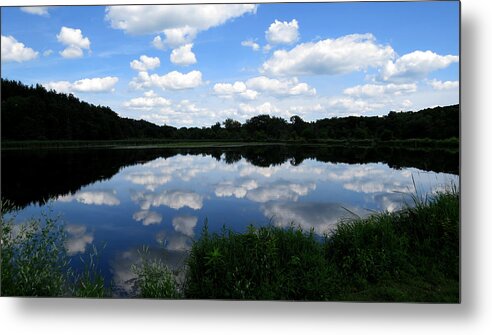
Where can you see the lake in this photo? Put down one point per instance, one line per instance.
(121, 199)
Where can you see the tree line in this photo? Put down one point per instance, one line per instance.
(35, 113)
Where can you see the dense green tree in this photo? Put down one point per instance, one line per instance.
(34, 113)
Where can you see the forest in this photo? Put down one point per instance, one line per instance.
(34, 113)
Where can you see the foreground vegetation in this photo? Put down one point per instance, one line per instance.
(410, 255)
(32, 113)
(34, 261)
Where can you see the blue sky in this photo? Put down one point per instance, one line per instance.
(197, 65)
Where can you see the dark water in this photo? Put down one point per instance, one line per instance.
(127, 198)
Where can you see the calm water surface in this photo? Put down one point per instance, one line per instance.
(126, 198)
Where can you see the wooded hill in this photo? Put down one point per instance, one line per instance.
(34, 113)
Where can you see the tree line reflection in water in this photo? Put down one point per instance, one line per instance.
(161, 197)
(37, 176)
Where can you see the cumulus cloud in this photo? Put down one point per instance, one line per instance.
(330, 56)
(349, 105)
(74, 41)
(72, 52)
(149, 101)
(264, 108)
(282, 32)
(415, 65)
(250, 43)
(107, 198)
(158, 43)
(178, 23)
(88, 85)
(185, 224)
(227, 90)
(37, 10)
(147, 217)
(14, 51)
(145, 63)
(378, 90)
(183, 55)
(444, 85)
(172, 81)
(252, 87)
(77, 239)
(183, 113)
(280, 86)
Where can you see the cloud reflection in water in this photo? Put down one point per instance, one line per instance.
(77, 239)
(322, 217)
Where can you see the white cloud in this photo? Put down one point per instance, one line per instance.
(14, 51)
(88, 85)
(158, 43)
(107, 198)
(406, 103)
(105, 84)
(183, 55)
(352, 106)
(282, 32)
(176, 37)
(147, 102)
(444, 85)
(147, 217)
(179, 23)
(267, 48)
(415, 65)
(47, 53)
(37, 10)
(252, 87)
(59, 86)
(249, 43)
(330, 56)
(377, 90)
(74, 42)
(172, 81)
(249, 94)
(184, 113)
(280, 86)
(72, 52)
(264, 108)
(226, 89)
(145, 63)
(185, 224)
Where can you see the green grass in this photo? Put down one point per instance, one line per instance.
(411, 255)
(35, 263)
(407, 256)
(155, 279)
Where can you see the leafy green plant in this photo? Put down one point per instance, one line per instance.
(34, 260)
(408, 255)
(154, 278)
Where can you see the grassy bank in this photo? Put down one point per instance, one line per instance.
(35, 263)
(411, 255)
(408, 256)
(418, 144)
